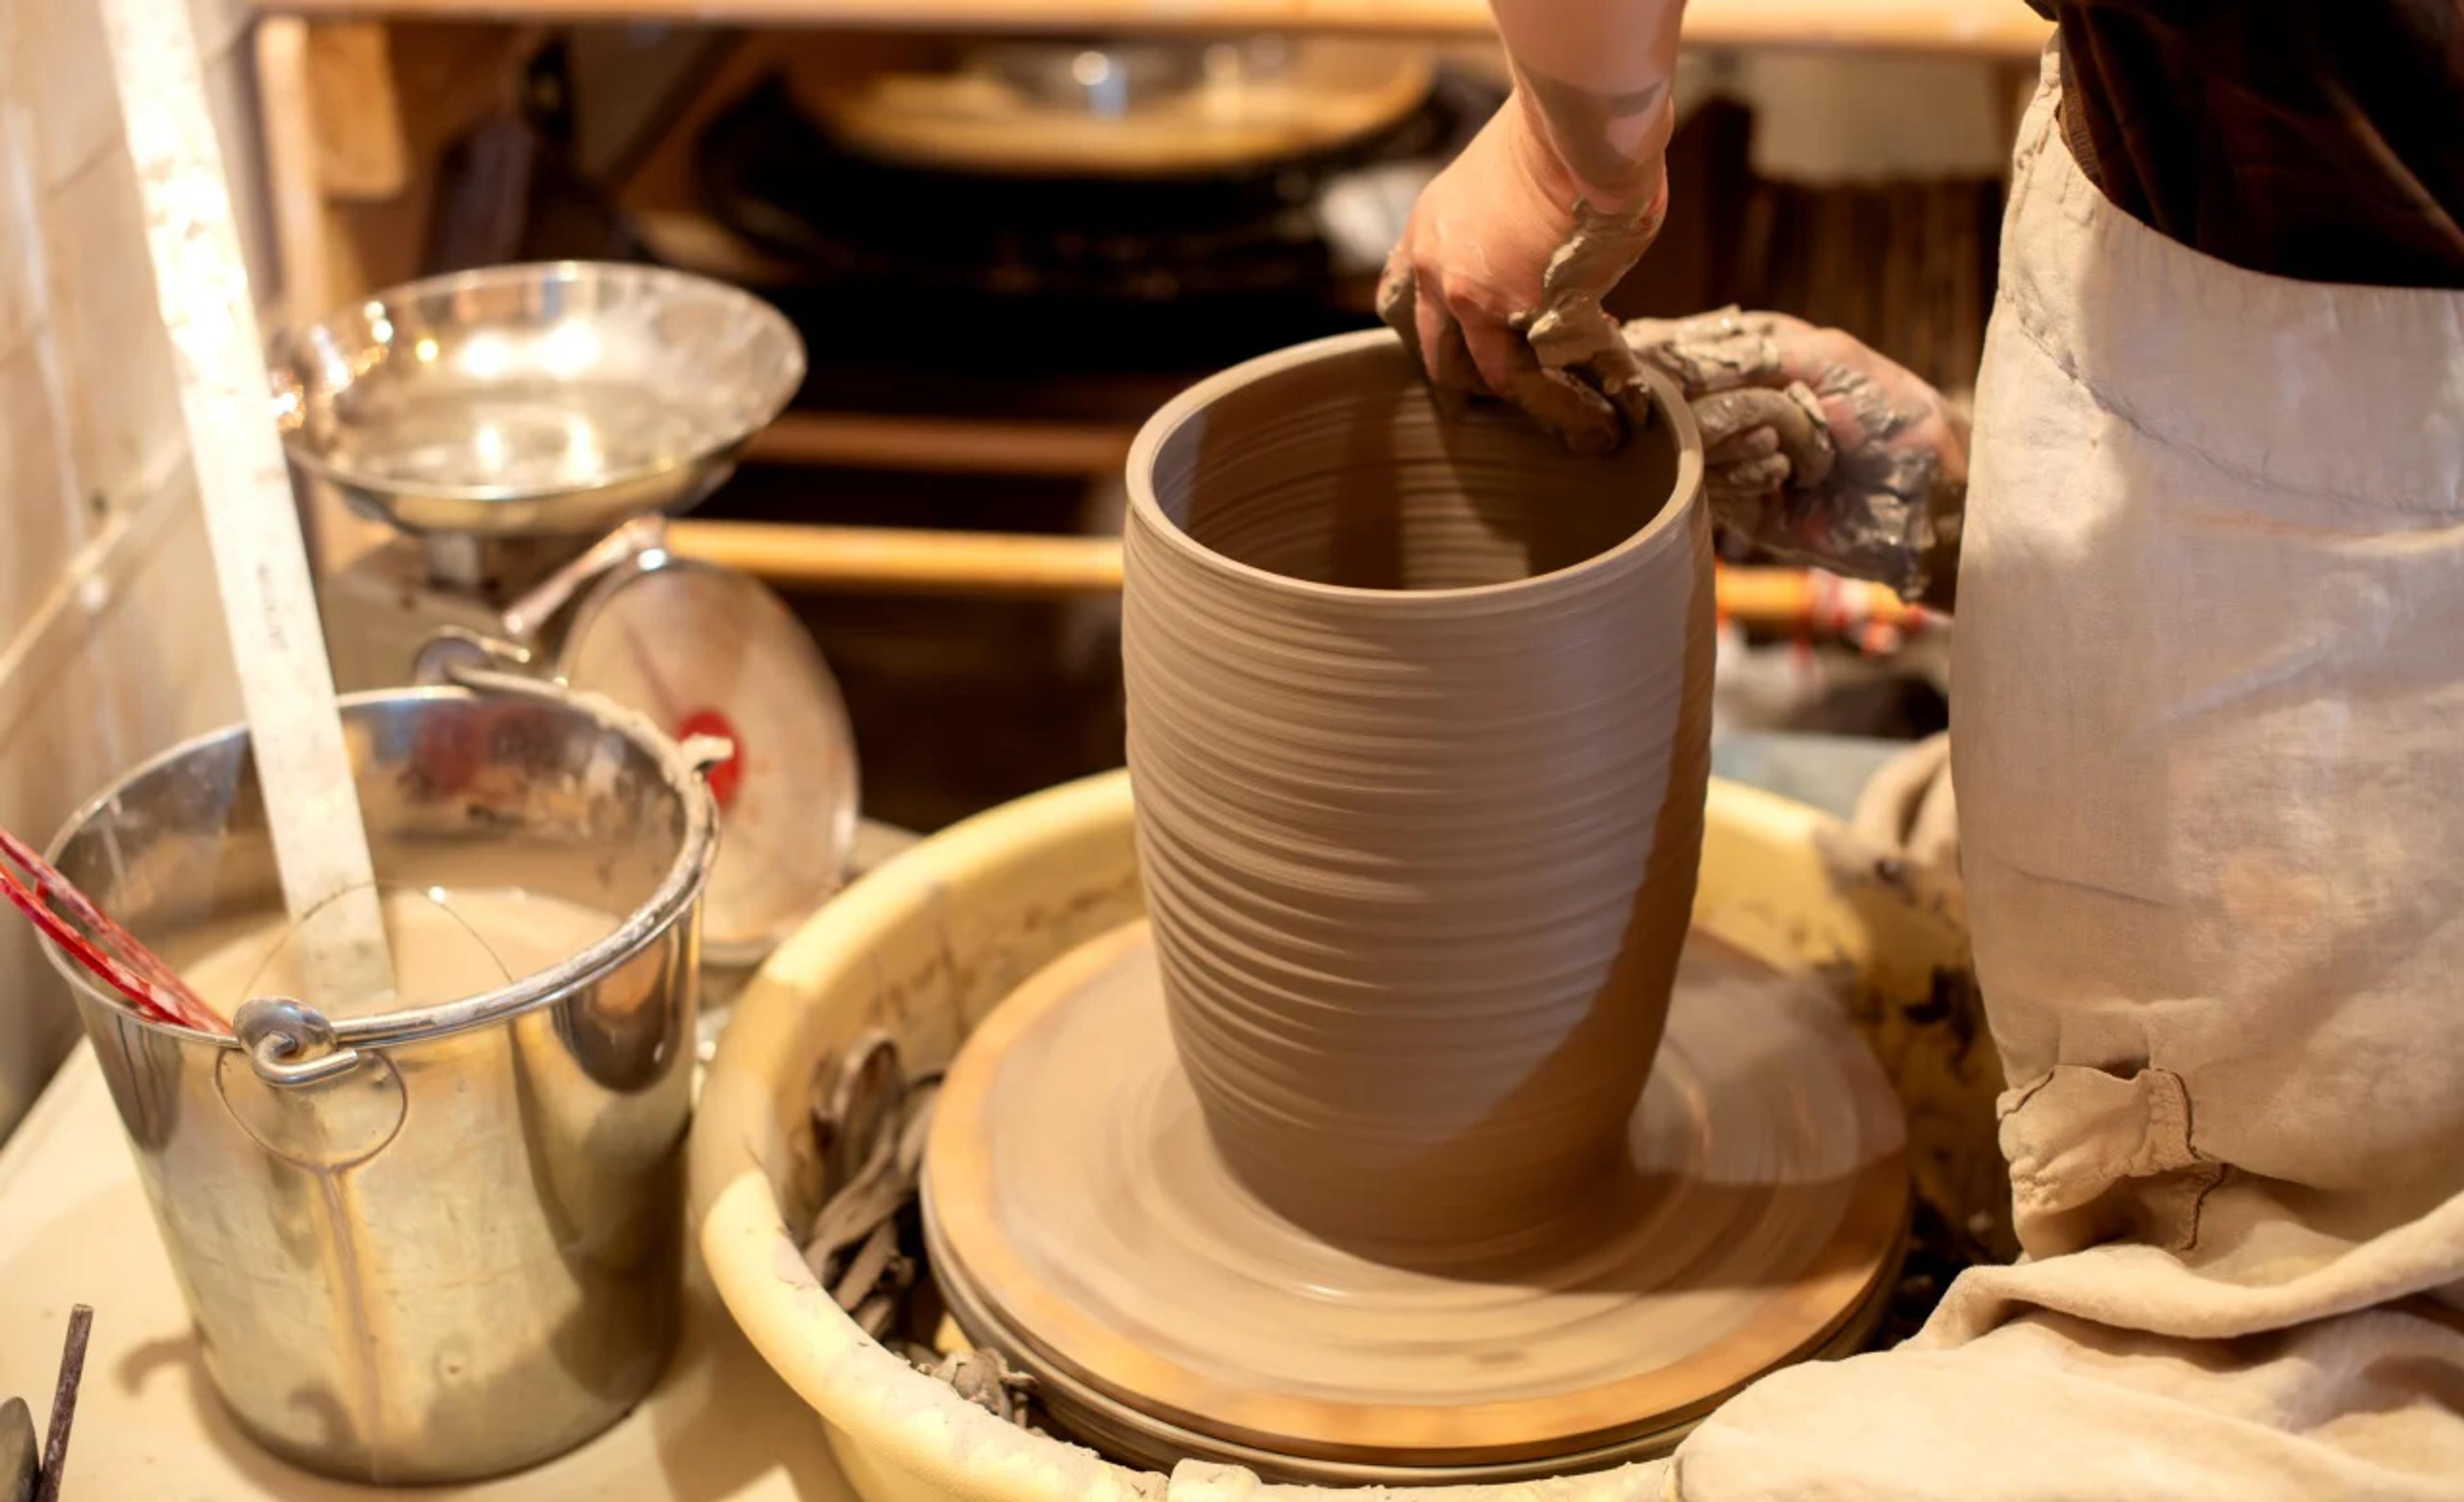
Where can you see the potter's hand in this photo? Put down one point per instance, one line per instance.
(1496, 284)
(1818, 449)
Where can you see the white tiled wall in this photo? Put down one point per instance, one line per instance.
(110, 644)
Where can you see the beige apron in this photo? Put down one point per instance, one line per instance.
(2208, 742)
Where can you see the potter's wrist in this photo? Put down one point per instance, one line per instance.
(1565, 173)
(1596, 79)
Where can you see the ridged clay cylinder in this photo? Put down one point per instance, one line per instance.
(1418, 728)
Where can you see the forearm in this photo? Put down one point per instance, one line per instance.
(1596, 75)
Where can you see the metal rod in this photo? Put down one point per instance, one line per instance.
(65, 1397)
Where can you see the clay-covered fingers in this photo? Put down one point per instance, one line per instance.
(1560, 405)
(1792, 415)
(1612, 371)
(1738, 448)
(1745, 479)
(1743, 465)
(1719, 350)
(1399, 304)
(1754, 477)
(1726, 416)
(1435, 339)
(1715, 327)
(1504, 366)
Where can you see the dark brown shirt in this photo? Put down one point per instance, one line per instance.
(2321, 140)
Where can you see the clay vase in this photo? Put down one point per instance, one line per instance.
(1419, 731)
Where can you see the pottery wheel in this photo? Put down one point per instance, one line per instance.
(1080, 1220)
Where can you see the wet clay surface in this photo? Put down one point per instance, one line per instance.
(475, 941)
(1419, 721)
(1755, 1196)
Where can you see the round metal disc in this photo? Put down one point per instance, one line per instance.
(1076, 1207)
(704, 650)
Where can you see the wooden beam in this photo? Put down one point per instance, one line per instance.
(1970, 28)
(905, 561)
(1021, 565)
(287, 116)
(943, 444)
(362, 152)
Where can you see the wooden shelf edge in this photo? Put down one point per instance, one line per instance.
(1969, 28)
(943, 444)
(1023, 565)
(904, 559)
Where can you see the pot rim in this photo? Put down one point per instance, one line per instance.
(672, 898)
(1160, 428)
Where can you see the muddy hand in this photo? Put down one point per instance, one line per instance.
(1573, 334)
(1818, 449)
(1569, 370)
(1581, 416)
(1496, 283)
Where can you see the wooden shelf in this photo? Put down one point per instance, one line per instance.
(2004, 29)
(943, 446)
(904, 561)
(1015, 565)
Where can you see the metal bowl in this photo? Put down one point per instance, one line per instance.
(560, 397)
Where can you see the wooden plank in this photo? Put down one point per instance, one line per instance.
(1971, 28)
(287, 116)
(305, 245)
(943, 444)
(905, 561)
(918, 561)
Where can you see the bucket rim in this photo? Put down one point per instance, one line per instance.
(672, 900)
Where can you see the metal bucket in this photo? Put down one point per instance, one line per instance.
(440, 1243)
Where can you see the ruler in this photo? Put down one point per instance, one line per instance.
(259, 557)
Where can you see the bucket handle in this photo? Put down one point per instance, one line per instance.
(290, 1044)
(489, 665)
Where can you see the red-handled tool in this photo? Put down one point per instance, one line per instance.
(110, 951)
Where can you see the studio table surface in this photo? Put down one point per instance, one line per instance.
(74, 1229)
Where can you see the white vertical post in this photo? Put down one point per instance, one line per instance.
(260, 560)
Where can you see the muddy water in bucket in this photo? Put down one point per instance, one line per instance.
(438, 1241)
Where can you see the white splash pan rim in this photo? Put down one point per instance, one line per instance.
(1805, 894)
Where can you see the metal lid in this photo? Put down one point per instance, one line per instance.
(705, 651)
